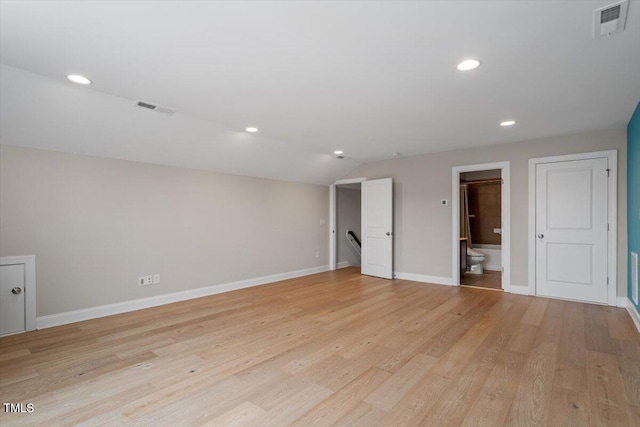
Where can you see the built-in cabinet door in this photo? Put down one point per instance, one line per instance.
(571, 229)
(12, 301)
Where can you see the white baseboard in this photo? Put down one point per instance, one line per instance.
(621, 302)
(634, 314)
(58, 319)
(493, 267)
(343, 264)
(423, 278)
(519, 290)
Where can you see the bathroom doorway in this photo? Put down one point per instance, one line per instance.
(480, 204)
(481, 228)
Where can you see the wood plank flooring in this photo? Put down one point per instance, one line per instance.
(334, 348)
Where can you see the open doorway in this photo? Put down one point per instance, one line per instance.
(481, 229)
(481, 225)
(376, 225)
(334, 237)
(348, 225)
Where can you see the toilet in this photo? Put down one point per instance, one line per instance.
(475, 260)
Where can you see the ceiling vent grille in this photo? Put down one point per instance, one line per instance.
(610, 19)
(156, 108)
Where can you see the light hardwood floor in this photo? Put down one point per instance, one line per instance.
(334, 348)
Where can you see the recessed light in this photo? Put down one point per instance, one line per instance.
(338, 152)
(468, 65)
(507, 123)
(252, 129)
(77, 78)
(395, 154)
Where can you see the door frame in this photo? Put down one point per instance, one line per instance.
(612, 216)
(29, 262)
(505, 174)
(333, 253)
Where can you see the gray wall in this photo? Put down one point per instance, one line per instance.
(348, 203)
(96, 224)
(423, 228)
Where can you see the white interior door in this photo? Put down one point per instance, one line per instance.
(571, 229)
(377, 228)
(12, 302)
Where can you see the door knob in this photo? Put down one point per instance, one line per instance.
(16, 290)
(540, 236)
(388, 234)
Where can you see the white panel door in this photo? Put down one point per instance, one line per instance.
(12, 308)
(377, 228)
(571, 230)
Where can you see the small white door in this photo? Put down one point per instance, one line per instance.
(12, 302)
(571, 229)
(377, 228)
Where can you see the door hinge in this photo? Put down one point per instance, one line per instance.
(608, 172)
(607, 281)
(608, 229)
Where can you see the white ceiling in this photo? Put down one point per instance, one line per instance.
(369, 78)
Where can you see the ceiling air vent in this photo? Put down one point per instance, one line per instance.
(610, 19)
(156, 108)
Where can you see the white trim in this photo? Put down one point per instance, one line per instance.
(138, 304)
(29, 262)
(519, 290)
(435, 280)
(612, 243)
(343, 264)
(635, 316)
(634, 277)
(333, 238)
(490, 267)
(333, 253)
(621, 302)
(532, 228)
(350, 181)
(506, 218)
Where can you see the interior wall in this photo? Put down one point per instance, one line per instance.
(423, 228)
(97, 224)
(348, 208)
(633, 141)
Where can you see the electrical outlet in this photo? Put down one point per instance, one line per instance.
(145, 280)
(156, 279)
(317, 254)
